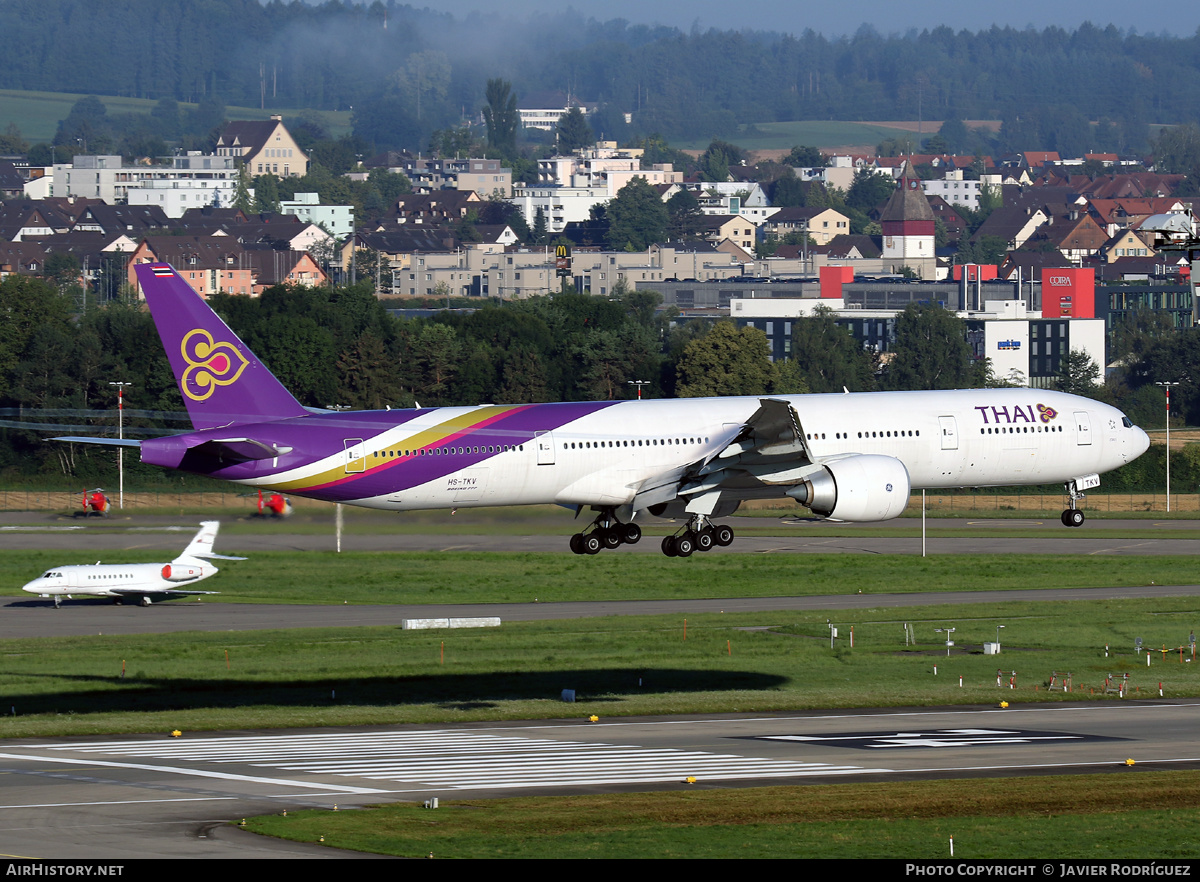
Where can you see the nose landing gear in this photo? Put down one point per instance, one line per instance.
(1073, 517)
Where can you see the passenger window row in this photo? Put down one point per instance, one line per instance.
(1017, 430)
(446, 451)
(638, 442)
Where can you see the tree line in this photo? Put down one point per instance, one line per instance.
(408, 72)
(341, 347)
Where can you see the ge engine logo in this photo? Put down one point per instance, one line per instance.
(888, 488)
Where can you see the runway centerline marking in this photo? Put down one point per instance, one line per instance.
(936, 738)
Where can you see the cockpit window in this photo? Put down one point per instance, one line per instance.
(1126, 422)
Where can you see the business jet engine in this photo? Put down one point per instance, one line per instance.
(176, 572)
(859, 487)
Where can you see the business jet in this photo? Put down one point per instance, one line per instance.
(144, 583)
(850, 457)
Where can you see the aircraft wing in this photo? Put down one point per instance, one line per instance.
(773, 430)
(769, 448)
(140, 592)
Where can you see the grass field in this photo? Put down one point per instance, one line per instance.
(37, 114)
(625, 666)
(618, 665)
(235, 503)
(525, 577)
(813, 133)
(1092, 817)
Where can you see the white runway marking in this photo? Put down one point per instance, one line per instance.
(462, 759)
(178, 770)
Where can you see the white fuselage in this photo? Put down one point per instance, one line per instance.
(117, 580)
(945, 439)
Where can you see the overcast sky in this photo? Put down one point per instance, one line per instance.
(1179, 17)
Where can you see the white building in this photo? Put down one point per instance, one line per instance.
(337, 219)
(192, 181)
(955, 190)
(568, 186)
(560, 205)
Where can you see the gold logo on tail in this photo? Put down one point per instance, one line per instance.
(209, 364)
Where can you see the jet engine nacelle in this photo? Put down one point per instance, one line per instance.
(181, 572)
(864, 487)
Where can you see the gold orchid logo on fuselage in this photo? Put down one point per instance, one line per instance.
(209, 364)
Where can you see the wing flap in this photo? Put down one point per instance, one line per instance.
(769, 449)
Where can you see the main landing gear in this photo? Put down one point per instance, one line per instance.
(1073, 517)
(606, 532)
(698, 535)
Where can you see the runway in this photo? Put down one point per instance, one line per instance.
(31, 617)
(109, 798)
(34, 617)
(378, 532)
(152, 796)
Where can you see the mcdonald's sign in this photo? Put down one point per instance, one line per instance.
(562, 261)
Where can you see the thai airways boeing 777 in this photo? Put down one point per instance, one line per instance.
(852, 457)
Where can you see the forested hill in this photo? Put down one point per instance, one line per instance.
(409, 71)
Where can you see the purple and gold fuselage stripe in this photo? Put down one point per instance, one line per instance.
(428, 439)
(510, 427)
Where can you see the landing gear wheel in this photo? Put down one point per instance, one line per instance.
(577, 543)
(631, 534)
(723, 535)
(705, 540)
(668, 546)
(685, 544)
(592, 544)
(610, 538)
(1073, 517)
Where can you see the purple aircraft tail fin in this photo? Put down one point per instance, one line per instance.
(222, 382)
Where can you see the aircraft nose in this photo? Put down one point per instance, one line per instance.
(1141, 442)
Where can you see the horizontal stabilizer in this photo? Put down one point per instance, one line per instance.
(111, 442)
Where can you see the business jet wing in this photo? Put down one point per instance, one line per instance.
(141, 592)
